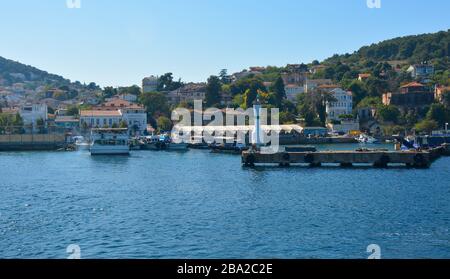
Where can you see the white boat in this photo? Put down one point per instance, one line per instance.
(366, 139)
(109, 141)
(81, 143)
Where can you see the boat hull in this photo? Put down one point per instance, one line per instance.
(110, 150)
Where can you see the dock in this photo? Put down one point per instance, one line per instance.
(29, 142)
(376, 158)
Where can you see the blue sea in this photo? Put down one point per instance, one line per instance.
(202, 205)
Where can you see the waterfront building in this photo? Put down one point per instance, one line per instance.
(345, 126)
(410, 96)
(115, 111)
(67, 122)
(149, 84)
(342, 106)
(32, 113)
(100, 118)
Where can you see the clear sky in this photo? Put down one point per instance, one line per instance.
(118, 42)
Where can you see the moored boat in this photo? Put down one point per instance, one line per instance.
(109, 141)
(366, 139)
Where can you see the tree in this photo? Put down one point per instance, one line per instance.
(109, 91)
(155, 103)
(17, 123)
(213, 88)
(223, 75)
(72, 110)
(40, 123)
(358, 90)
(446, 99)
(123, 124)
(166, 83)
(438, 113)
(278, 89)
(388, 113)
(93, 86)
(426, 126)
(164, 123)
(133, 90)
(250, 97)
(370, 102)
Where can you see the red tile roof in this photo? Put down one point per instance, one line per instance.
(413, 84)
(97, 113)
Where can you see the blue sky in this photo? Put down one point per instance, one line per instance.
(118, 42)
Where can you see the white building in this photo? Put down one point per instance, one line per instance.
(31, 113)
(346, 126)
(99, 118)
(293, 90)
(343, 104)
(149, 84)
(115, 111)
(421, 70)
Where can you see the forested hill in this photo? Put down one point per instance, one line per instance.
(12, 71)
(414, 49)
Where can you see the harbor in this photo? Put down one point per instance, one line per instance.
(165, 204)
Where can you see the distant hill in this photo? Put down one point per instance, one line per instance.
(13, 72)
(414, 49)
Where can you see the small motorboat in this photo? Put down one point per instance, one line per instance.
(81, 143)
(366, 139)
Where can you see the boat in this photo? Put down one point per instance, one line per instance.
(366, 139)
(163, 142)
(109, 141)
(81, 143)
(230, 148)
(172, 144)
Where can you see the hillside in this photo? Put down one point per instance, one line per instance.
(12, 72)
(410, 49)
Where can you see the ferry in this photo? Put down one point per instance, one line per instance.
(109, 141)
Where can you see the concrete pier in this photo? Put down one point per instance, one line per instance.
(381, 159)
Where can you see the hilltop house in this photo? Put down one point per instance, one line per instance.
(149, 84)
(312, 84)
(412, 95)
(188, 93)
(419, 71)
